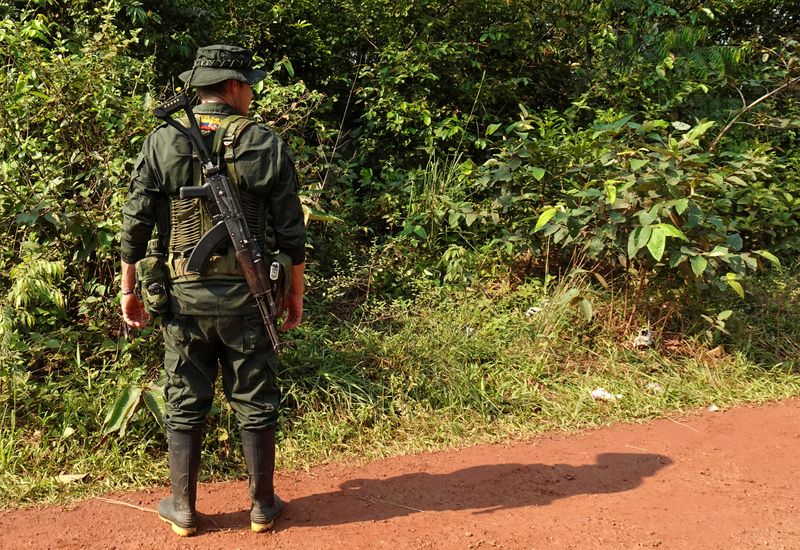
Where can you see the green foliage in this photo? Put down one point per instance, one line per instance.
(762, 326)
(73, 126)
(647, 147)
(128, 402)
(646, 196)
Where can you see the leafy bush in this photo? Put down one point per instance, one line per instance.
(73, 120)
(470, 152)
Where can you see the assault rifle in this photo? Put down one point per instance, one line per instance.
(229, 220)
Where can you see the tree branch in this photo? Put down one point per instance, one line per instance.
(741, 113)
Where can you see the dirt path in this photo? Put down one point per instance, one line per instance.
(709, 480)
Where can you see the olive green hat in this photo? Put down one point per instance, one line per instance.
(214, 64)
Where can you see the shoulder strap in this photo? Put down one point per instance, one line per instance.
(221, 132)
(227, 135)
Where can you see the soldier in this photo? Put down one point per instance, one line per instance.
(210, 322)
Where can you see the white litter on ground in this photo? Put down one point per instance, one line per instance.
(604, 395)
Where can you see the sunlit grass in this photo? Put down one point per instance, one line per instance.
(448, 368)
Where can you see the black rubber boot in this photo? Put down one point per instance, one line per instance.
(184, 463)
(259, 454)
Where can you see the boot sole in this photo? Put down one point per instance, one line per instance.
(177, 529)
(261, 527)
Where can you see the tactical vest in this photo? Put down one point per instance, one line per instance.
(190, 219)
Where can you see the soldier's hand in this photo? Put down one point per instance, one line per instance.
(133, 312)
(294, 311)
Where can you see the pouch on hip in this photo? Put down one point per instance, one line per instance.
(152, 280)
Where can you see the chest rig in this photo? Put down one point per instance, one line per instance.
(191, 218)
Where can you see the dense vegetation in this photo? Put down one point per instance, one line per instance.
(509, 191)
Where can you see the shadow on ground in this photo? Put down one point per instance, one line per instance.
(481, 489)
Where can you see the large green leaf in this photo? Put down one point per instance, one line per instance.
(698, 130)
(313, 216)
(538, 173)
(454, 218)
(121, 412)
(671, 231)
(569, 296)
(638, 239)
(731, 279)
(699, 265)
(646, 218)
(681, 205)
(586, 309)
(769, 256)
(611, 191)
(657, 242)
(545, 217)
(722, 315)
(154, 400)
(734, 242)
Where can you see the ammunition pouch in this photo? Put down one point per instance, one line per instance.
(152, 281)
(222, 266)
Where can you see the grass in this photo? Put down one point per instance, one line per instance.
(447, 368)
(473, 367)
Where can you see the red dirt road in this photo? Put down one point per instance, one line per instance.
(708, 480)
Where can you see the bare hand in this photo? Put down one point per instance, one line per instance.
(294, 311)
(133, 312)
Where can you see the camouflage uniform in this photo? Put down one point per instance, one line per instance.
(212, 319)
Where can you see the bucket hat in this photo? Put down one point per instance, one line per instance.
(214, 64)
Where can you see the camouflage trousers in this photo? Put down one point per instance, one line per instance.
(197, 348)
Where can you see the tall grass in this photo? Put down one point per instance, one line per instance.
(444, 368)
(456, 367)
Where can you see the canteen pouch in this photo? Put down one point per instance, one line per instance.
(151, 280)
